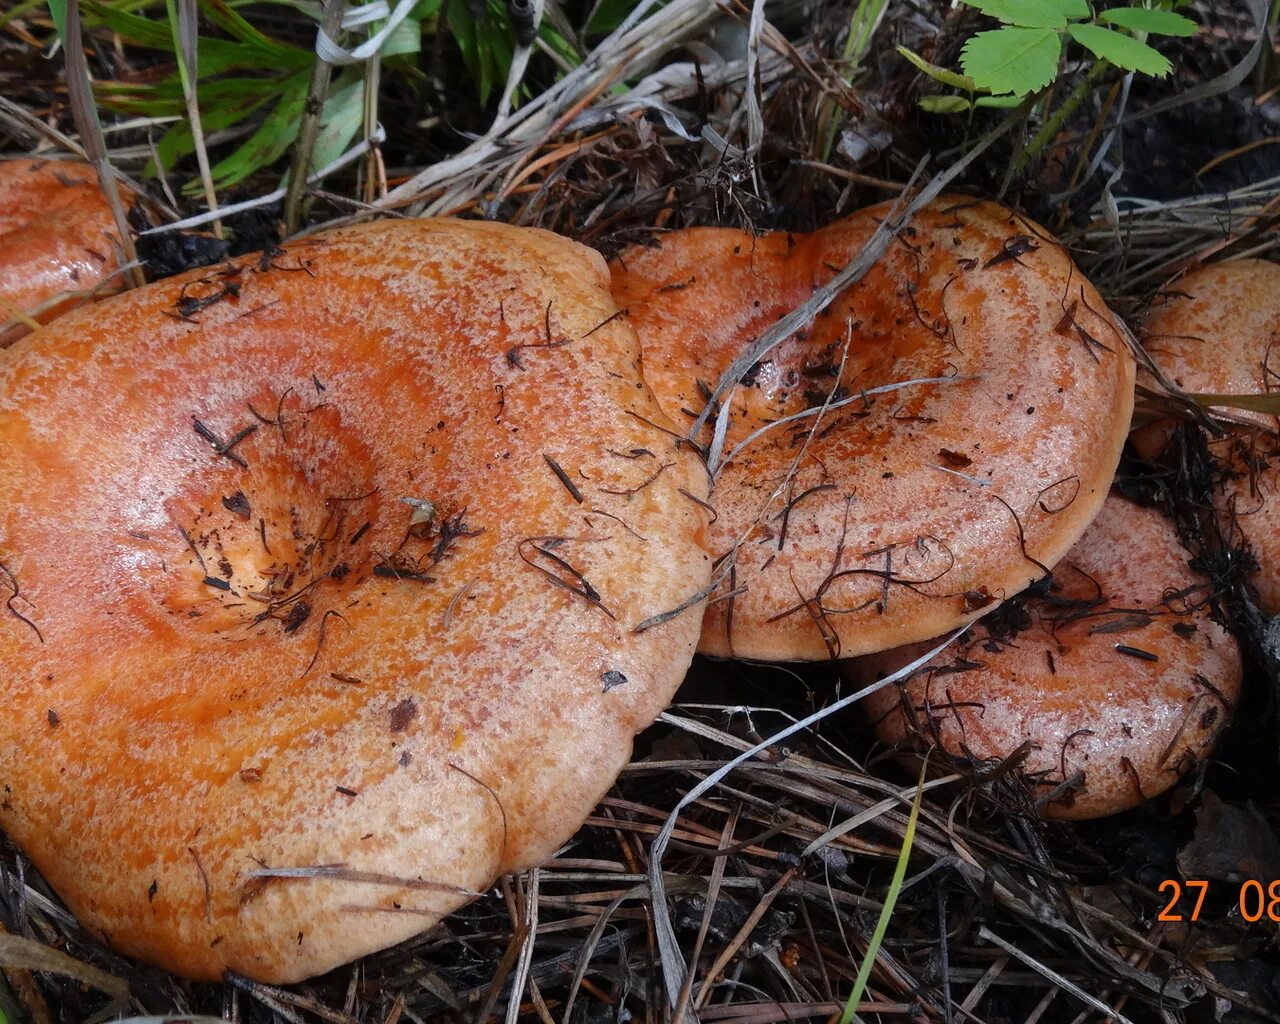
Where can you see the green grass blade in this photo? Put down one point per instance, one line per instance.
(58, 11)
(886, 912)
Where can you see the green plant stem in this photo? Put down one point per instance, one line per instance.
(886, 912)
(1050, 129)
(309, 125)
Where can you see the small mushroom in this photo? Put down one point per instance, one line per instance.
(1114, 681)
(1216, 331)
(303, 641)
(57, 237)
(919, 451)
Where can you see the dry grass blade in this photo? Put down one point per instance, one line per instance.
(85, 112)
(29, 955)
(673, 963)
(309, 125)
(183, 15)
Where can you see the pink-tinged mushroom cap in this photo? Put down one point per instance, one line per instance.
(1216, 331)
(878, 519)
(57, 236)
(1118, 678)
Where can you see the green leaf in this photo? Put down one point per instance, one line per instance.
(886, 910)
(1121, 50)
(267, 144)
(1146, 19)
(941, 75)
(1003, 102)
(1023, 13)
(238, 28)
(1013, 60)
(1071, 9)
(945, 104)
(340, 119)
(58, 11)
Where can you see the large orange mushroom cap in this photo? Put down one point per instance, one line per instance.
(57, 236)
(898, 516)
(1118, 679)
(1216, 331)
(339, 560)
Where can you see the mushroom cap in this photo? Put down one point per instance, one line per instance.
(57, 235)
(1214, 332)
(1118, 673)
(912, 512)
(292, 582)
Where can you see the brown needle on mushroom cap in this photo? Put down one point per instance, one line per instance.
(56, 237)
(870, 519)
(1216, 331)
(1118, 678)
(303, 638)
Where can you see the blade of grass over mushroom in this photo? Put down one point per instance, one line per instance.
(886, 912)
(674, 967)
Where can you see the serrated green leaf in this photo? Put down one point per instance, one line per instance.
(945, 104)
(1124, 51)
(1023, 13)
(1013, 60)
(1146, 19)
(941, 75)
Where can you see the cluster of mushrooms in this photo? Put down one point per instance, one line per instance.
(337, 580)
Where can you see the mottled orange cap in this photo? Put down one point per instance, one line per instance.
(1118, 679)
(334, 584)
(57, 237)
(1216, 331)
(869, 520)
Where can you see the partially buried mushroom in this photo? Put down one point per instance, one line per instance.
(58, 241)
(334, 584)
(1114, 681)
(919, 451)
(1216, 332)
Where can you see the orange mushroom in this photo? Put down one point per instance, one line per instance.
(57, 237)
(922, 449)
(1115, 682)
(1216, 331)
(334, 584)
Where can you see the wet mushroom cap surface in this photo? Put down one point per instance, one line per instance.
(57, 235)
(350, 562)
(1216, 331)
(870, 521)
(1117, 677)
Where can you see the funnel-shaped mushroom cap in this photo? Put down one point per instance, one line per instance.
(57, 236)
(331, 563)
(891, 517)
(1217, 331)
(1118, 678)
